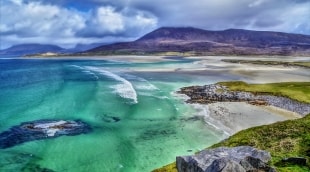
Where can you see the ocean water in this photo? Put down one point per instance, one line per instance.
(154, 126)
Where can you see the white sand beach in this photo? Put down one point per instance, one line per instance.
(231, 117)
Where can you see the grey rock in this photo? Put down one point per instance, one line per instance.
(41, 129)
(224, 159)
(225, 165)
(254, 164)
(295, 160)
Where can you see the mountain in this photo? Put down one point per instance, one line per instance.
(26, 49)
(84, 47)
(193, 41)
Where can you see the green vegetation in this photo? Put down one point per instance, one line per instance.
(299, 91)
(283, 139)
(262, 62)
(167, 168)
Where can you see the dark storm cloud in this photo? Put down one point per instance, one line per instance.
(72, 21)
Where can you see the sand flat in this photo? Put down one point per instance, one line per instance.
(232, 117)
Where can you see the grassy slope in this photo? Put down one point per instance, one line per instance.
(299, 91)
(282, 139)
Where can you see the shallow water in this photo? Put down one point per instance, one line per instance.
(153, 124)
(138, 122)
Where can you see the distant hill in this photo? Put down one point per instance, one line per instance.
(26, 49)
(193, 41)
(39, 49)
(84, 47)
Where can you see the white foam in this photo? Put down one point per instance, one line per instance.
(76, 66)
(125, 89)
(152, 95)
(49, 125)
(86, 71)
(146, 87)
(51, 132)
(142, 83)
(203, 110)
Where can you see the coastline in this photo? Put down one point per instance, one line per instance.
(234, 111)
(239, 118)
(232, 117)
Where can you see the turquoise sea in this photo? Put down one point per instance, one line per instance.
(139, 122)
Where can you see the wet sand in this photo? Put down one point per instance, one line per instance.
(231, 117)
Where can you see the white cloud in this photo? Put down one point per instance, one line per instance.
(35, 22)
(256, 3)
(109, 20)
(35, 19)
(61, 20)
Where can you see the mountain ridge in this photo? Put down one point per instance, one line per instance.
(32, 48)
(204, 42)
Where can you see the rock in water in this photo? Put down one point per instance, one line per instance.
(41, 129)
(223, 159)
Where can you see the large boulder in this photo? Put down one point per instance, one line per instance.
(41, 129)
(224, 159)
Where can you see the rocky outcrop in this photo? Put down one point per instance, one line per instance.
(41, 129)
(219, 93)
(223, 159)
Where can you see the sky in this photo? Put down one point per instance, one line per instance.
(68, 22)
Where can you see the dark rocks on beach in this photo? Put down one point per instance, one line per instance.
(219, 93)
(41, 129)
(223, 159)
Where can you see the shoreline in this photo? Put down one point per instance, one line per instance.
(232, 117)
(236, 117)
(214, 93)
(233, 111)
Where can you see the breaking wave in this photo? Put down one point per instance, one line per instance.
(141, 83)
(86, 71)
(125, 89)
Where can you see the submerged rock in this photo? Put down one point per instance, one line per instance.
(110, 119)
(41, 129)
(223, 159)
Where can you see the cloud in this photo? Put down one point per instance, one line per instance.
(35, 21)
(108, 21)
(70, 21)
(275, 15)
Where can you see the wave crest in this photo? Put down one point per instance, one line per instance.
(125, 89)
